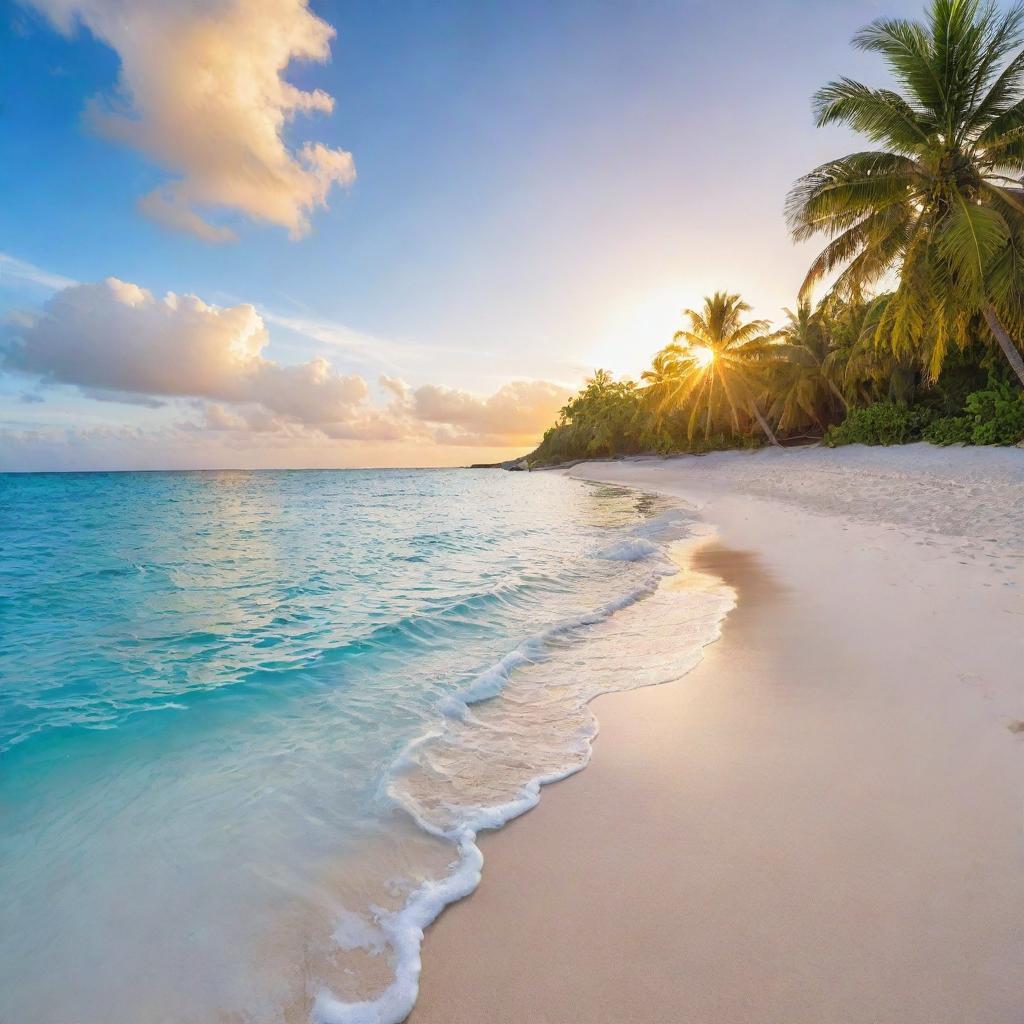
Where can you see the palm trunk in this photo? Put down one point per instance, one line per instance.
(840, 396)
(1001, 335)
(828, 380)
(764, 425)
(711, 395)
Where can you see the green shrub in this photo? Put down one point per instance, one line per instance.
(997, 413)
(949, 430)
(882, 423)
(961, 374)
(992, 415)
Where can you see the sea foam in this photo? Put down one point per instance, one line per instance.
(461, 822)
(345, 678)
(633, 549)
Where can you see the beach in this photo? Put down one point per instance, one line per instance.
(251, 723)
(819, 823)
(457, 569)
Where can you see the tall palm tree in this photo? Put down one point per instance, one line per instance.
(939, 202)
(803, 384)
(716, 365)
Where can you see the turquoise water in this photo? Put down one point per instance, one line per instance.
(250, 723)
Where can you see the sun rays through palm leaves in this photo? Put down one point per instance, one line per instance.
(716, 367)
(923, 255)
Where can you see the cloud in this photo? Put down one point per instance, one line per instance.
(13, 269)
(355, 343)
(117, 342)
(395, 386)
(516, 413)
(110, 446)
(359, 345)
(201, 91)
(114, 340)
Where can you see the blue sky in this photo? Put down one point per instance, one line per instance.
(539, 189)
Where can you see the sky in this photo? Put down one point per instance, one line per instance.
(289, 233)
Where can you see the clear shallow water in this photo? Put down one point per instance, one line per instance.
(250, 723)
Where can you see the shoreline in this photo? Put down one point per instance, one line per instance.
(699, 603)
(820, 822)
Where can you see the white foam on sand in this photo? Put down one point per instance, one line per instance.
(635, 549)
(972, 497)
(605, 632)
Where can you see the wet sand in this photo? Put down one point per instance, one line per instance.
(820, 824)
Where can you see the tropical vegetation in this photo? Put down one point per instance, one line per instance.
(917, 336)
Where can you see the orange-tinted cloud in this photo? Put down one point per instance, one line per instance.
(518, 412)
(116, 341)
(201, 92)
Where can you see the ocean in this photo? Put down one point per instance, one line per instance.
(252, 722)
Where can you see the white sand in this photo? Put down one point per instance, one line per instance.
(821, 824)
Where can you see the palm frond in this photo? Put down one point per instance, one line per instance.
(882, 115)
(906, 48)
(970, 238)
(1004, 88)
(836, 195)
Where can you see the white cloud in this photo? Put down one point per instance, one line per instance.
(395, 386)
(360, 345)
(115, 338)
(116, 341)
(346, 339)
(13, 269)
(201, 91)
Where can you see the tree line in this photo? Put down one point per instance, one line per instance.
(935, 208)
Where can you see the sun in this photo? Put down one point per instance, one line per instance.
(702, 355)
(638, 321)
(635, 324)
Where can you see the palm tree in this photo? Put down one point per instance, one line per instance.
(599, 419)
(662, 382)
(864, 366)
(803, 385)
(939, 202)
(717, 365)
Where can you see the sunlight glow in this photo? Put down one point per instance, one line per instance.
(639, 321)
(702, 355)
